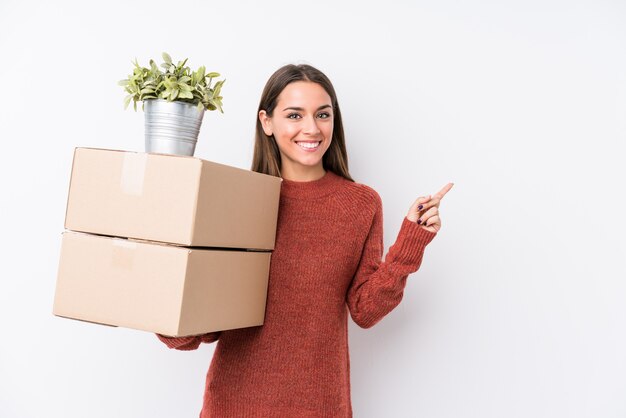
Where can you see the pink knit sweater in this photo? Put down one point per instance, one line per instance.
(327, 262)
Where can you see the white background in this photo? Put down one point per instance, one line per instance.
(519, 307)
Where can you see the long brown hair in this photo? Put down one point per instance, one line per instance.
(266, 158)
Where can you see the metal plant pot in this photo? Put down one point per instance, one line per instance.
(172, 127)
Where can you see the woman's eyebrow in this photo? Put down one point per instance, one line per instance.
(302, 109)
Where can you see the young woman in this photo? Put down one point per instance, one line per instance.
(327, 261)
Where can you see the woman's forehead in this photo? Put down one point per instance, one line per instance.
(304, 94)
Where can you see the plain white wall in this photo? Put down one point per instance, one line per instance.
(518, 309)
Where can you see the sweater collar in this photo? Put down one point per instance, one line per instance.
(311, 189)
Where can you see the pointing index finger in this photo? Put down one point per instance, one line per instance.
(441, 193)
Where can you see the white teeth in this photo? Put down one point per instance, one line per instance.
(308, 145)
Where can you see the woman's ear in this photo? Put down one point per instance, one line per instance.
(266, 122)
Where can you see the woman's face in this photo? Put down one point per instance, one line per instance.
(302, 124)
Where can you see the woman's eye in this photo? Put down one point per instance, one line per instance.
(323, 115)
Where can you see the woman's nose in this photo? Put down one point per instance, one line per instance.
(311, 127)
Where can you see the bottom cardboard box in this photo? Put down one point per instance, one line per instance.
(157, 287)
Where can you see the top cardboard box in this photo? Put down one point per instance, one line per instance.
(173, 199)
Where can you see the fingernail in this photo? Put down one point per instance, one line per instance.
(419, 221)
(420, 206)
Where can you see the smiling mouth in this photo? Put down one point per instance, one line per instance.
(309, 145)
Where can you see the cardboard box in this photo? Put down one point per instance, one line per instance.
(162, 288)
(171, 198)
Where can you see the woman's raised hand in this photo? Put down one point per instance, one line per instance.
(425, 210)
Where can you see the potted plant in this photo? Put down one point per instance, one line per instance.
(174, 101)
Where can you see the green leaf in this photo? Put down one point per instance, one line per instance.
(127, 100)
(217, 101)
(146, 90)
(200, 72)
(197, 95)
(218, 88)
(166, 58)
(213, 75)
(169, 82)
(185, 95)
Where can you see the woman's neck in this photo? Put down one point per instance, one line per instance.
(302, 174)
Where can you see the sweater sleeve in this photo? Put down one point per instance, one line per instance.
(189, 343)
(378, 286)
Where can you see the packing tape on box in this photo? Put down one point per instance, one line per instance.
(123, 254)
(133, 173)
